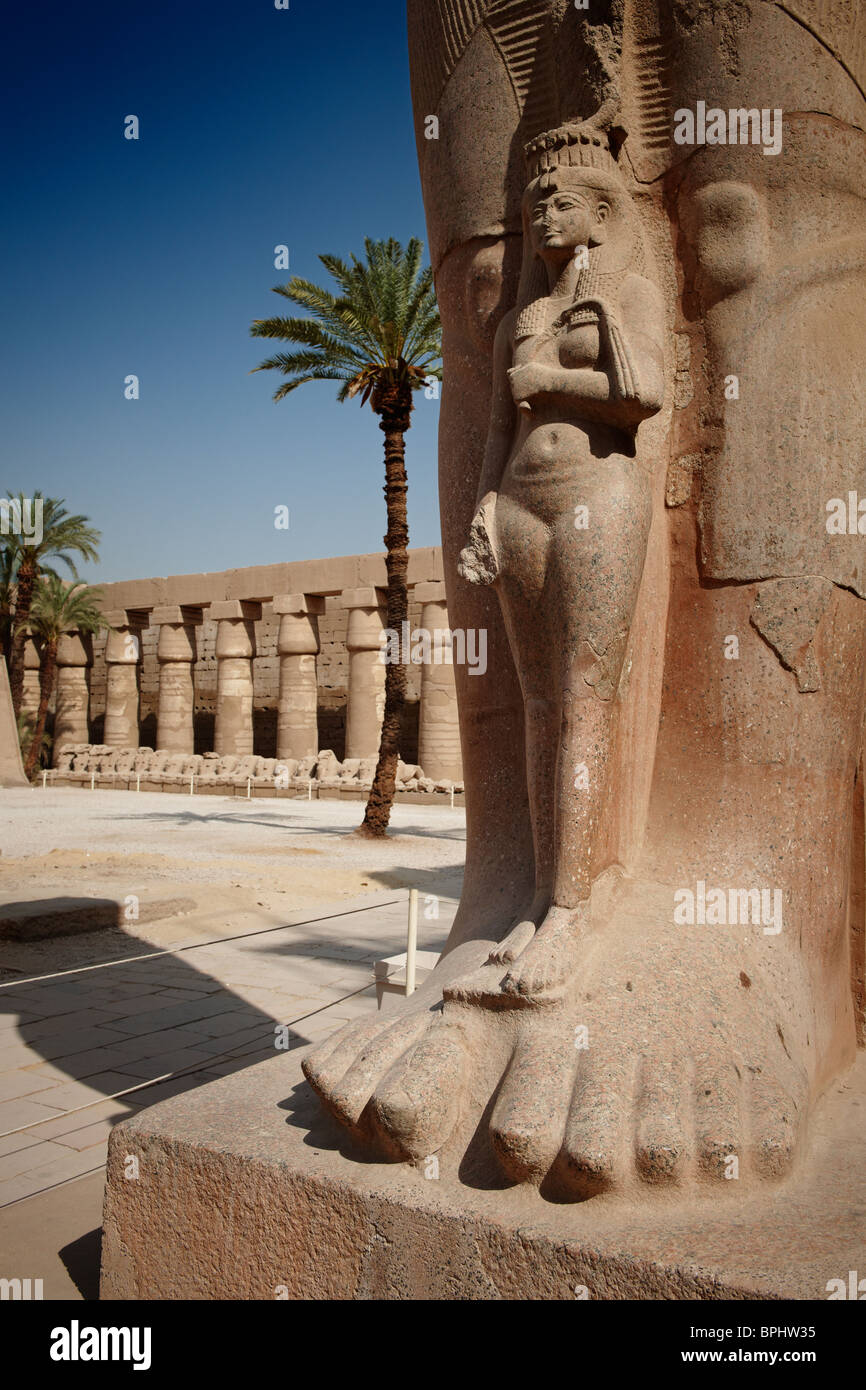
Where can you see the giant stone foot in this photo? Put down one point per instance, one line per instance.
(349, 1067)
(673, 1067)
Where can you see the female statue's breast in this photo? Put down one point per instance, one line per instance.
(578, 346)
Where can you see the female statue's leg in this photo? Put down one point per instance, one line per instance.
(590, 595)
(524, 544)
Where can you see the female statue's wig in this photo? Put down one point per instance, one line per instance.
(578, 157)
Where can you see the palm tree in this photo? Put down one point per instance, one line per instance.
(56, 608)
(62, 536)
(381, 338)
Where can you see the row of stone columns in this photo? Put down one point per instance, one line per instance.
(297, 647)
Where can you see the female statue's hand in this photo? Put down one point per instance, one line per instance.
(615, 348)
(527, 382)
(478, 562)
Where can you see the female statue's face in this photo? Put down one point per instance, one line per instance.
(561, 220)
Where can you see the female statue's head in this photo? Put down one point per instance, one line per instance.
(575, 197)
(565, 208)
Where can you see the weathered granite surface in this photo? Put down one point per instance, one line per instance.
(246, 1190)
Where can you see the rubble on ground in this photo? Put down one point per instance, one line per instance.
(81, 761)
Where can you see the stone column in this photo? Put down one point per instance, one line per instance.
(176, 653)
(123, 665)
(74, 659)
(438, 729)
(298, 645)
(235, 649)
(365, 706)
(30, 698)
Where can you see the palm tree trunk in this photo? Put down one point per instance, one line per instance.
(394, 423)
(23, 599)
(47, 673)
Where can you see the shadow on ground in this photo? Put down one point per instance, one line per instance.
(82, 1261)
(155, 1020)
(271, 820)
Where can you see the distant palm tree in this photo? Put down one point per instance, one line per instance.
(62, 536)
(381, 337)
(56, 608)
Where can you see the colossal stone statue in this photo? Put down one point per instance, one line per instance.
(651, 433)
(564, 511)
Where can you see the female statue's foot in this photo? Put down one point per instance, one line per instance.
(543, 949)
(521, 932)
(551, 956)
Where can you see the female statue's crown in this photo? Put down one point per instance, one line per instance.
(584, 144)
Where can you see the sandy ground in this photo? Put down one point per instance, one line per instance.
(207, 865)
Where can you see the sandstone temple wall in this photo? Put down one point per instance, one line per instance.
(335, 591)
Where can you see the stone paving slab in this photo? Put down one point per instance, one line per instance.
(16, 1084)
(17, 1113)
(13, 1165)
(66, 1042)
(13, 1143)
(66, 1122)
(166, 1063)
(65, 1164)
(85, 1138)
(55, 1237)
(190, 1011)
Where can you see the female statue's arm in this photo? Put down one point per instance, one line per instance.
(630, 386)
(478, 561)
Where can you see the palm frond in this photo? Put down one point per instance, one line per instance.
(323, 374)
(59, 608)
(382, 330)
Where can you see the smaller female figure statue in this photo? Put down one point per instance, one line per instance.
(564, 511)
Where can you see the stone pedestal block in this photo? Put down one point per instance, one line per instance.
(248, 1190)
(366, 697)
(298, 646)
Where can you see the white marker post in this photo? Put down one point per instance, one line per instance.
(249, 782)
(310, 789)
(411, 941)
(44, 779)
(93, 781)
(191, 782)
(138, 781)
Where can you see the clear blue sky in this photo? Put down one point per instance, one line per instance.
(258, 126)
